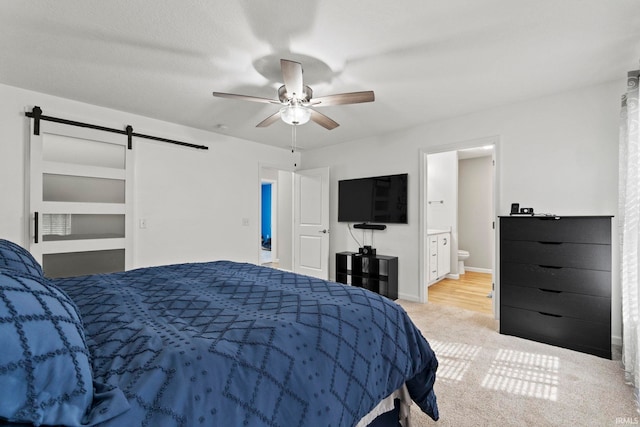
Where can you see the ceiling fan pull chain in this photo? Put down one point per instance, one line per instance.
(293, 144)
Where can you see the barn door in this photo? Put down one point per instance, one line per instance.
(80, 200)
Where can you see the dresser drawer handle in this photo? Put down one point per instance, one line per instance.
(550, 291)
(550, 243)
(555, 267)
(549, 314)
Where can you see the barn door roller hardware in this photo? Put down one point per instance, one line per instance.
(37, 116)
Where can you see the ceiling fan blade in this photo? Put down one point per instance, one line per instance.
(292, 75)
(323, 120)
(343, 98)
(269, 120)
(246, 98)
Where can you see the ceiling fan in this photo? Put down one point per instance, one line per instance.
(296, 99)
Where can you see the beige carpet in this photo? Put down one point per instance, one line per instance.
(488, 379)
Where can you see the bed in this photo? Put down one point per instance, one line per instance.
(203, 344)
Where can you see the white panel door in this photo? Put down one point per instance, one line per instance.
(311, 222)
(80, 200)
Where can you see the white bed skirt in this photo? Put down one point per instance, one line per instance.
(387, 404)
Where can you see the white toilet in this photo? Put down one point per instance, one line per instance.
(462, 257)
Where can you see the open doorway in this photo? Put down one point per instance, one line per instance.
(276, 212)
(268, 224)
(459, 205)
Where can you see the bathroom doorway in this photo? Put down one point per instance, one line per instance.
(269, 223)
(459, 194)
(276, 218)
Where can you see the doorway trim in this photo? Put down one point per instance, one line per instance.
(274, 218)
(283, 168)
(423, 292)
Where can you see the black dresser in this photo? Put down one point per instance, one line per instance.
(555, 281)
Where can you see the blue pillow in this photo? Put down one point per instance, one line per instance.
(15, 257)
(45, 370)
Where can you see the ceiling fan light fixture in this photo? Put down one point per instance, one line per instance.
(295, 100)
(295, 114)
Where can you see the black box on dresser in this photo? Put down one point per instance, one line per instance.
(555, 281)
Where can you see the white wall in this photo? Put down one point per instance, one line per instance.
(558, 154)
(190, 198)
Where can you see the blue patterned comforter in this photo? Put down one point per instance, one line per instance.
(225, 343)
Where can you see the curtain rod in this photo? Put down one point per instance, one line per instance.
(36, 115)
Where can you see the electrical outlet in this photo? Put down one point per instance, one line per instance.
(245, 222)
(143, 223)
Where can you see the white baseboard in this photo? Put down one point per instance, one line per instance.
(478, 270)
(616, 340)
(408, 297)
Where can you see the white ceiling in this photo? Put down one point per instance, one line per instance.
(426, 60)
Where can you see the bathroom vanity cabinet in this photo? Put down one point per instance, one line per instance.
(555, 281)
(439, 255)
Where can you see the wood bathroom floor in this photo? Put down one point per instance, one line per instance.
(469, 292)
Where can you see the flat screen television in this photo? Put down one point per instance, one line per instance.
(378, 199)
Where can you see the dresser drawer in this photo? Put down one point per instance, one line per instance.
(586, 307)
(574, 255)
(581, 335)
(581, 281)
(557, 229)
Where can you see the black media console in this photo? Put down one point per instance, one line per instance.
(377, 273)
